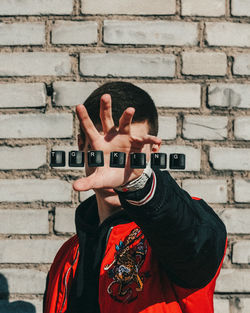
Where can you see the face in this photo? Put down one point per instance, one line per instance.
(140, 128)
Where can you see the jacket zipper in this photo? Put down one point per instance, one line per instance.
(66, 275)
(65, 280)
(108, 234)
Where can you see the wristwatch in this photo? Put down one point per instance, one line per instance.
(137, 183)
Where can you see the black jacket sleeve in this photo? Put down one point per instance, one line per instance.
(186, 234)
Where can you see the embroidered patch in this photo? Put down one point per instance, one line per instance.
(129, 257)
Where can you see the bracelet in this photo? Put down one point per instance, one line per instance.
(137, 183)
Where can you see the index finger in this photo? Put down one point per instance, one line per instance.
(86, 123)
(106, 113)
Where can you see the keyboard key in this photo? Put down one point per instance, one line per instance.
(117, 159)
(76, 158)
(95, 158)
(177, 161)
(137, 160)
(57, 158)
(158, 160)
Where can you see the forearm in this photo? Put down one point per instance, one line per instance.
(186, 234)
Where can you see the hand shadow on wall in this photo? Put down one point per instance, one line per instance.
(13, 307)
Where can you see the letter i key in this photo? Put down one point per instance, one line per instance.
(137, 160)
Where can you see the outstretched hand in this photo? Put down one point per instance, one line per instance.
(113, 139)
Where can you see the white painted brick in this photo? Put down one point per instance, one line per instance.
(228, 34)
(203, 8)
(237, 221)
(140, 7)
(65, 220)
(150, 32)
(27, 157)
(67, 149)
(22, 34)
(29, 251)
(229, 95)
(242, 128)
(35, 7)
(84, 195)
(211, 190)
(53, 125)
(28, 190)
(167, 127)
(241, 65)
(230, 158)
(242, 190)
(241, 305)
(26, 221)
(34, 64)
(241, 250)
(240, 8)
(72, 93)
(193, 156)
(204, 63)
(68, 32)
(233, 280)
(127, 64)
(24, 281)
(221, 306)
(22, 95)
(205, 127)
(38, 304)
(21, 306)
(174, 95)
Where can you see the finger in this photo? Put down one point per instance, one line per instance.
(106, 113)
(125, 121)
(147, 139)
(84, 184)
(86, 124)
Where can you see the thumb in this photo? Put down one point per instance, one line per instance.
(84, 184)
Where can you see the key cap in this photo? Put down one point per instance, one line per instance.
(76, 158)
(158, 160)
(177, 161)
(95, 158)
(137, 160)
(57, 158)
(117, 159)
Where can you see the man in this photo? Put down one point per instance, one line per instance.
(143, 244)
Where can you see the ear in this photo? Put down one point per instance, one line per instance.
(80, 142)
(155, 147)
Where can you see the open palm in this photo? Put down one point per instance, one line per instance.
(113, 139)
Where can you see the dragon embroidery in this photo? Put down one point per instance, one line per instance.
(129, 257)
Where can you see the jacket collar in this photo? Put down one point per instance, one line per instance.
(89, 231)
(87, 218)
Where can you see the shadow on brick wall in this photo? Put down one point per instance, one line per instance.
(15, 306)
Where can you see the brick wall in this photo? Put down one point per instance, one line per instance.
(193, 57)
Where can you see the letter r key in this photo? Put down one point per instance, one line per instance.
(95, 158)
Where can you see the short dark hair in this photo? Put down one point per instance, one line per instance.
(123, 95)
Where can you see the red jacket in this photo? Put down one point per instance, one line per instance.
(158, 294)
(131, 279)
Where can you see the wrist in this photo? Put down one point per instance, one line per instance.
(137, 183)
(137, 173)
